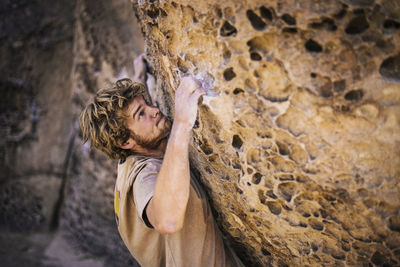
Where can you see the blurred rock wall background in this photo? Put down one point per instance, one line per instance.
(56, 204)
(297, 140)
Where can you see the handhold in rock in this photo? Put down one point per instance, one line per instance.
(390, 68)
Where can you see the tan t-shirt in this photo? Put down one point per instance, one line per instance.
(198, 243)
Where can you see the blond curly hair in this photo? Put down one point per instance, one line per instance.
(103, 120)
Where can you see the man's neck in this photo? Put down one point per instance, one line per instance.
(155, 152)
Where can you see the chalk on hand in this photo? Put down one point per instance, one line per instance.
(207, 82)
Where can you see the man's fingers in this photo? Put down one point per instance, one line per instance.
(190, 84)
(197, 93)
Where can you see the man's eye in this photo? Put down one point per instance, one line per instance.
(141, 114)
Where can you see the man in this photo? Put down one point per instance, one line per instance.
(162, 213)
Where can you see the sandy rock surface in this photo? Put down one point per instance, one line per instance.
(297, 140)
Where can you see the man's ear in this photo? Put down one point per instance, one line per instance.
(128, 144)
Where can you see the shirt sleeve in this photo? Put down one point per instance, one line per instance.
(143, 189)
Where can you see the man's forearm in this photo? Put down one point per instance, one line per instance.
(171, 192)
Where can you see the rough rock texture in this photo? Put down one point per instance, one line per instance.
(54, 56)
(297, 140)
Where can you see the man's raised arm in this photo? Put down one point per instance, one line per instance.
(166, 210)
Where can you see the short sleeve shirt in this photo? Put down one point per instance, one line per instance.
(198, 243)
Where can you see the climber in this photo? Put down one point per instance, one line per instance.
(161, 210)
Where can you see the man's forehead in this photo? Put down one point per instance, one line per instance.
(138, 100)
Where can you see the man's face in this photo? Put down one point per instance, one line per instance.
(147, 124)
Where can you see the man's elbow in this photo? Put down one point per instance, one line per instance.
(168, 227)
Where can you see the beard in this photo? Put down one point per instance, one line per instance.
(153, 142)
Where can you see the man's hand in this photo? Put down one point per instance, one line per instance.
(139, 65)
(186, 98)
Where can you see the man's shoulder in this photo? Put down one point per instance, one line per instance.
(135, 160)
(135, 164)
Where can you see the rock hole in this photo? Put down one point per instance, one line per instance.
(328, 196)
(394, 223)
(289, 30)
(390, 68)
(237, 142)
(255, 56)
(265, 252)
(196, 124)
(248, 183)
(266, 13)
(218, 11)
(316, 214)
(286, 177)
(195, 20)
(261, 196)
(306, 214)
(255, 74)
(314, 247)
(378, 259)
(339, 86)
(271, 194)
(357, 25)
(238, 91)
(236, 164)
(326, 23)
(276, 99)
(360, 11)
(341, 13)
(206, 148)
(163, 13)
(337, 254)
(391, 24)
(313, 46)
(354, 95)
(283, 148)
(274, 207)
(324, 213)
(264, 135)
(227, 55)
(229, 74)
(227, 29)
(240, 191)
(345, 247)
(326, 90)
(257, 23)
(286, 207)
(208, 170)
(153, 13)
(302, 224)
(288, 19)
(302, 179)
(313, 75)
(287, 190)
(249, 170)
(256, 179)
(342, 108)
(315, 224)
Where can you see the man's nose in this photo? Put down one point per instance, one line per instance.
(155, 111)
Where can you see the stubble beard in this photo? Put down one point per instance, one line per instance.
(154, 141)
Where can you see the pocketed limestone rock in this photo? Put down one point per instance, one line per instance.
(300, 136)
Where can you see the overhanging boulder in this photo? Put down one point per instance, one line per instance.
(297, 140)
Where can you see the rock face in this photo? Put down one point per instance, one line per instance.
(297, 140)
